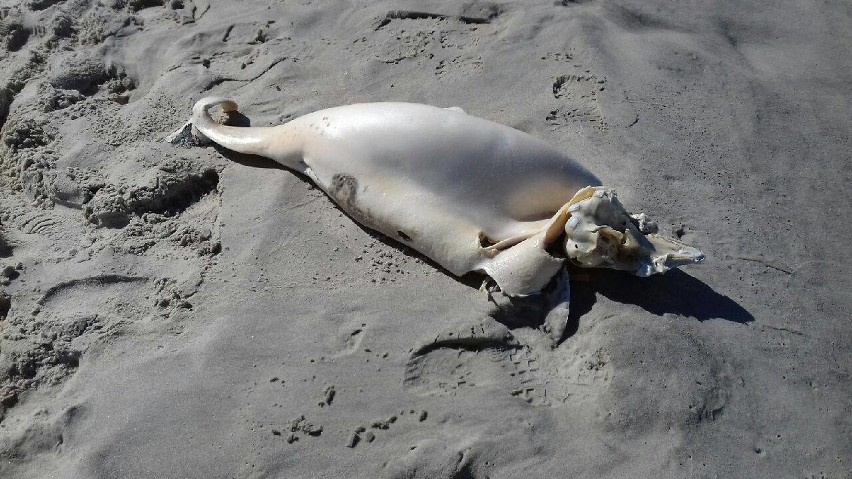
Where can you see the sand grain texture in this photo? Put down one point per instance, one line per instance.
(183, 312)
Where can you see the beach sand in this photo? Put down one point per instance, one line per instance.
(187, 312)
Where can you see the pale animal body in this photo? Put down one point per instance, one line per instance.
(470, 194)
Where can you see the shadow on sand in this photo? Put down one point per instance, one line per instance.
(675, 292)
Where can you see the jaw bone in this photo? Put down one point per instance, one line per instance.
(600, 233)
(592, 230)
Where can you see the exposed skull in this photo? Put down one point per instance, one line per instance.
(600, 233)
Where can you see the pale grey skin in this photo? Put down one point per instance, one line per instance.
(470, 194)
(443, 182)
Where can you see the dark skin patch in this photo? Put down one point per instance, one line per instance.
(344, 190)
(485, 241)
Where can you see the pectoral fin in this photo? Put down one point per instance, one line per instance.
(524, 268)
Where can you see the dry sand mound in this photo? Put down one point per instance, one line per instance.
(173, 311)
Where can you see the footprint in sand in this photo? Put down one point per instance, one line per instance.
(487, 355)
(432, 39)
(69, 317)
(349, 340)
(578, 95)
(38, 223)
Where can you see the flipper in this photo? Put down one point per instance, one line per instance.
(548, 309)
(526, 267)
(558, 301)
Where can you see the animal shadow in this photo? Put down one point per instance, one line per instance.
(673, 292)
(254, 161)
(235, 118)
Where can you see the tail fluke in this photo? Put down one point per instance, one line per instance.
(202, 129)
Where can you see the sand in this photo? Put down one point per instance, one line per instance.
(185, 312)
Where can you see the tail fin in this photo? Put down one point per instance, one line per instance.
(240, 139)
(204, 126)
